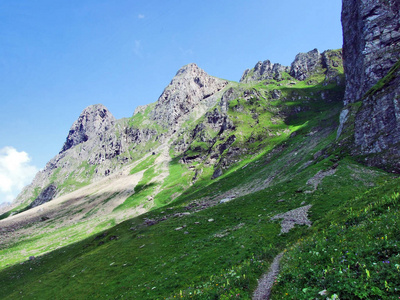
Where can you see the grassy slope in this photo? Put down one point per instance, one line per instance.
(223, 258)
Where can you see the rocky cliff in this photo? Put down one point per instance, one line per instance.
(304, 66)
(190, 89)
(371, 49)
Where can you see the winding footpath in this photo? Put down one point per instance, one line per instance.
(265, 283)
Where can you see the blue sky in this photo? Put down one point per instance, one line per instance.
(58, 57)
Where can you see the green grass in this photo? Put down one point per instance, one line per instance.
(392, 74)
(354, 253)
(144, 164)
(220, 251)
(176, 182)
(142, 191)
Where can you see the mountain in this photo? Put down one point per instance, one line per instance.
(198, 194)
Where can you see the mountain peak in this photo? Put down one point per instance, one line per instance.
(93, 119)
(189, 69)
(187, 90)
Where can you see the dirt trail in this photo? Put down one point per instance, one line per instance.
(266, 282)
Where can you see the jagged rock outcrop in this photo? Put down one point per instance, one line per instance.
(371, 43)
(94, 120)
(46, 195)
(371, 49)
(190, 89)
(332, 62)
(264, 70)
(305, 64)
(96, 146)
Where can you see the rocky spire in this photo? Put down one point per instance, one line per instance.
(188, 89)
(264, 70)
(305, 64)
(94, 120)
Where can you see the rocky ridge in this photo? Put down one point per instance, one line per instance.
(303, 67)
(191, 89)
(98, 145)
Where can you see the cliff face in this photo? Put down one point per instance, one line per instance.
(93, 121)
(191, 88)
(371, 49)
(371, 43)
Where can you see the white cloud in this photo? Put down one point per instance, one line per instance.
(140, 16)
(15, 172)
(137, 49)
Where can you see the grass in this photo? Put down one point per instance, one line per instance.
(143, 165)
(181, 249)
(393, 73)
(221, 259)
(355, 256)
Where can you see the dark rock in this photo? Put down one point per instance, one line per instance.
(371, 43)
(217, 173)
(100, 236)
(276, 94)
(45, 196)
(371, 50)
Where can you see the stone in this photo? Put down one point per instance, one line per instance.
(46, 195)
(217, 173)
(305, 64)
(93, 119)
(369, 53)
(371, 49)
(262, 71)
(189, 89)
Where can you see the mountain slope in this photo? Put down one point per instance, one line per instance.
(223, 176)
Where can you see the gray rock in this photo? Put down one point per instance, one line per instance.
(217, 173)
(94, 120)
(371, 32)
(190, 88)
(305, 64)
(371, 42)
(262, 71)
(46, 195)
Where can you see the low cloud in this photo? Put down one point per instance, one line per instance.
(16, 172)
(140, 16)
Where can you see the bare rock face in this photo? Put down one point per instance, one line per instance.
(332, 62)
(371, 49)
(191, 87)
(371, 43)
(305, 64)
(46, 195)
(264, 70)
(94, 120)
